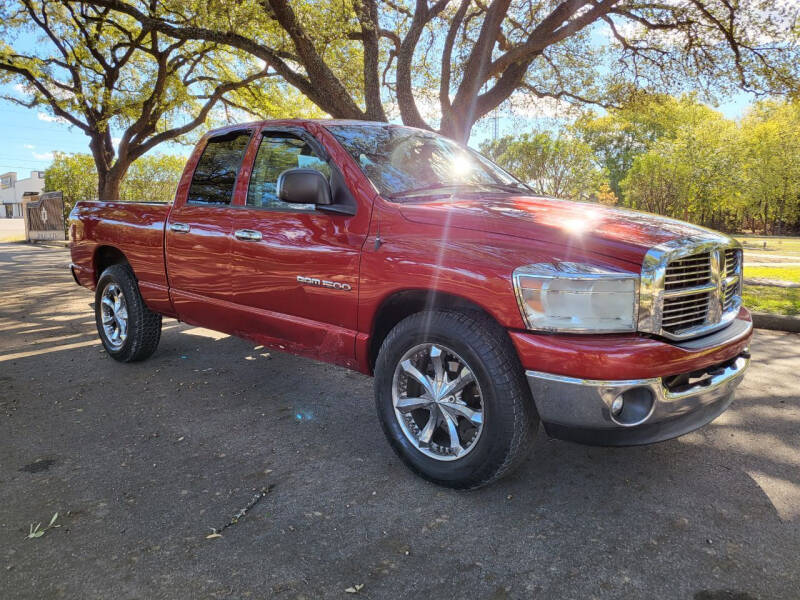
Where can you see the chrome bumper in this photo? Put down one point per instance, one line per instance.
(581, 409)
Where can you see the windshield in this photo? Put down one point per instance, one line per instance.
(402, 161)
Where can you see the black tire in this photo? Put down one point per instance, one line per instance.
(509, 417)
(143, 325)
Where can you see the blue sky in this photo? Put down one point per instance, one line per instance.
(29, 136)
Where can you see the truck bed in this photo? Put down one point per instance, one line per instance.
(134, 228)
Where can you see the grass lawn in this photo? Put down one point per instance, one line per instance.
(778, 245)
(781, 273)
(762, 298)
(781, 301)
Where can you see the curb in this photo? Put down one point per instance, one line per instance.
(776, 322)
(50, 243)
(772, 283)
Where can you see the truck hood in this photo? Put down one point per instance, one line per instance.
(613, 232)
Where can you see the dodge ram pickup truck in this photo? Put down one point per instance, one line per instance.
(480, 308)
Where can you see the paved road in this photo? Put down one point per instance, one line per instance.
(141, 461)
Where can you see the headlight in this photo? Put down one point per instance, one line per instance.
(573, 297)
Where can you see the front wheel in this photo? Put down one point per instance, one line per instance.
(128, 329)
(452, 398)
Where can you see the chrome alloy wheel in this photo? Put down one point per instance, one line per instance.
(114, 313)
(437, 402)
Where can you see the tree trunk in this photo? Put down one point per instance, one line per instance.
(108, 187)
(368, 15)
(110, 180)
(454, 125)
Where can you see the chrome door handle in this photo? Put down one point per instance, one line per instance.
(179, 227)
(248, 235)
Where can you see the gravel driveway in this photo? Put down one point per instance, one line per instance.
(143, 461)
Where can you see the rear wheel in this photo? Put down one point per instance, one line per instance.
(128, 329)
(452, 398)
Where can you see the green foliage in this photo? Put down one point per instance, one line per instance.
(777, 300)
(620, 135)
(678, 157)
(152, 178)
(770, 153)
(690, 173)
(73, 175)
(675, 157)
(561, 166)
(449, 63)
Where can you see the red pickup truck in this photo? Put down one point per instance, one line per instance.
(479, 307)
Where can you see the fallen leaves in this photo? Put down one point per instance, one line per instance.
(38, 531)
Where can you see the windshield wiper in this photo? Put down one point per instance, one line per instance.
(508, 187)
(426, 188)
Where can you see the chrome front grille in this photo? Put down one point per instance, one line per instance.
(682, 308)
(730, 295)
(688, 272)
(683, 312)
(732, 268)
(690, 287)
(733, 259)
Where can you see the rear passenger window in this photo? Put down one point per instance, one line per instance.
(277, 153)
(215, 175)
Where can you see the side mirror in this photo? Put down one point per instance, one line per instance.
(304, 186)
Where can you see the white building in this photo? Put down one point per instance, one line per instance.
(12, 190)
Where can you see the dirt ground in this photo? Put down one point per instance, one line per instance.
(142, 461)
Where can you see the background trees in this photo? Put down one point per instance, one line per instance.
(689, 172)
(770, 149)
(672, 156)
(622, 133)
(152, 178)
(444, 64)
(561, 166)
(123, 84)
(72, 175)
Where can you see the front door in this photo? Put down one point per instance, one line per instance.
(295, 269)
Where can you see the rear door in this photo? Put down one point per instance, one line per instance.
(295, 268)
(198, 236)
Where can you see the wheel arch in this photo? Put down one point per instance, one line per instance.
(404, 303)
(104, 257)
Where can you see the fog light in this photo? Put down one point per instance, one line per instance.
(632, 407)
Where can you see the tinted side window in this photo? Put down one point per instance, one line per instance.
(276, 153)
(217, 168)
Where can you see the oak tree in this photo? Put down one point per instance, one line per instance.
(444, 64)
(110, 76)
